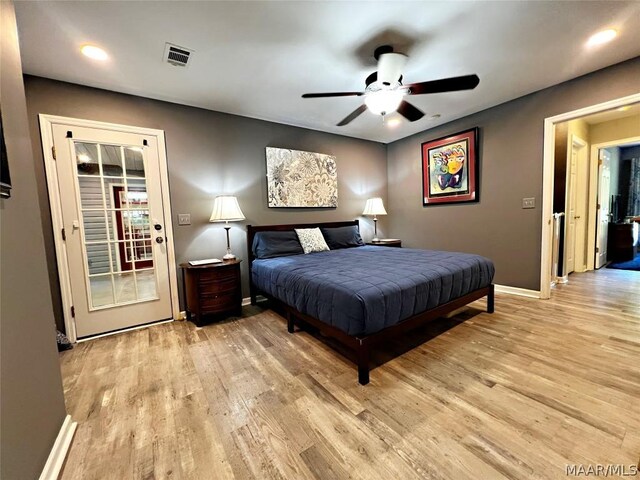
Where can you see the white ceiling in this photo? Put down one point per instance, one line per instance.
(256, 58)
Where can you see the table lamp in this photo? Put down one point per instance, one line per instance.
(374, 207)
(226, 209)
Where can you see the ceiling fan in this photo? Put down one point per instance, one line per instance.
(384, 92)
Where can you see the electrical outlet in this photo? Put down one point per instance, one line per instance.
(184, 219)
(529, 202)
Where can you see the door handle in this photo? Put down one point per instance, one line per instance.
(159, 239)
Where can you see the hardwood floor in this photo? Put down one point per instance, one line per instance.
(517, 394)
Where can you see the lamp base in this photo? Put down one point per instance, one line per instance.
(229, 256)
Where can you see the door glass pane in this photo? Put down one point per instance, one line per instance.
(90, 192)
(134, 161)
(87, 158)
(101, 291)
(143, 254)
(117, 233)
(146, 281)
(98, 258)
(95, 227)
(111, 156)
(125, 287)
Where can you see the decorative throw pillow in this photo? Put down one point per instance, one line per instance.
(311, 240)
(276, 244)
(342, 237)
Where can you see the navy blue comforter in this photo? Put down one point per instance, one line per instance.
(365, 289)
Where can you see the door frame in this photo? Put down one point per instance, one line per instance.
(46, 132)
(594, 191)
(548, 164)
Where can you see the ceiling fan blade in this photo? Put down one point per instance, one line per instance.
(466, 82)
(410, 112)
(332, 94)
(390, 67)
(352, 116)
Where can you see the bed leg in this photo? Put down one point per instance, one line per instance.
(491, 299)
(363, 364)
(290, 322)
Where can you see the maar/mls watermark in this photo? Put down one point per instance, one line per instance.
(602, 470)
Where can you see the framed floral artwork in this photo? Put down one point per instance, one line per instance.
(450, 169)
(301, 179)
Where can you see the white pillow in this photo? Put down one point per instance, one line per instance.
(311, 240)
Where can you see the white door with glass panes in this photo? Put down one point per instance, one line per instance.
(114, 230)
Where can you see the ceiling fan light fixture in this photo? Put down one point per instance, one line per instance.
(382, 102)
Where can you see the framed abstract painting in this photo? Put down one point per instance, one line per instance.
(450, 169)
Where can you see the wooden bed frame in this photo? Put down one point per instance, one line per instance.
(361, 345)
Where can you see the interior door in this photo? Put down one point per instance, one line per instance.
(570, 242)
(111, 199)
(604, 197)
(581, 205)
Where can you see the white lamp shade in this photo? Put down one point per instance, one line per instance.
(226, 209)
(374, 206)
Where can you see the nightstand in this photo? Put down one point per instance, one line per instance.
(387, 242)
(212, 289)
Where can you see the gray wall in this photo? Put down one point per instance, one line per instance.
(511, 146)
(32, 405)
(210, 153)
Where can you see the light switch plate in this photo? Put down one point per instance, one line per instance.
(529, 202)
(184, 219)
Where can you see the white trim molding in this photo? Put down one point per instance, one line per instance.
(59, 451)
(247, 300)
(522, 292)
(548, 178)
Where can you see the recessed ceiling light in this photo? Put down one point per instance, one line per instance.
(602, 37)
(94, 52)
(392, 123)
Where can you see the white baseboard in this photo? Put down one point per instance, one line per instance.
(523, 292)
(59, 451)
(247, 301)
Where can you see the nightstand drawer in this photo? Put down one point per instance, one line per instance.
(221, 273)
(219, 302)
(218, 285)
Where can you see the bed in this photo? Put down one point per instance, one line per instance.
(365, 295)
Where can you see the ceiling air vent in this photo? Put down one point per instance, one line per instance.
(177, 56)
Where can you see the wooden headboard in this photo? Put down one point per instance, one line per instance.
(253, 229)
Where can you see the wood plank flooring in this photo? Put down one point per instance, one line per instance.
(517, 394)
